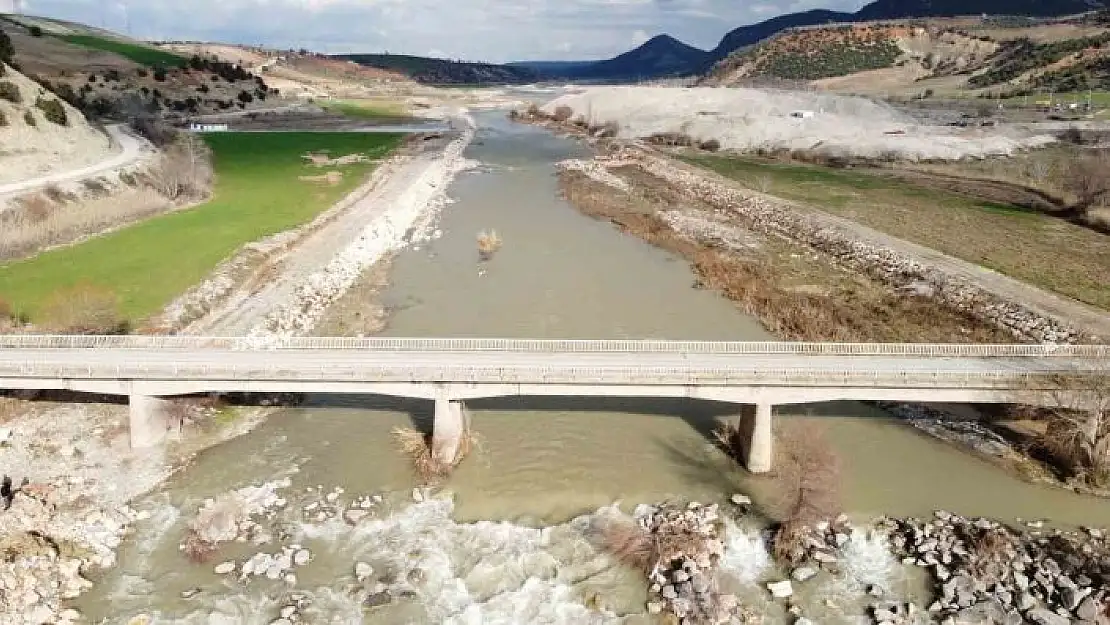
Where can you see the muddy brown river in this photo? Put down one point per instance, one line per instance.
(509, 546)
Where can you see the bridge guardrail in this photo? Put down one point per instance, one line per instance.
(923, 350)
(526, 375)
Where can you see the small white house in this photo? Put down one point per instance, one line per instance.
(802, 114)
(195, 127)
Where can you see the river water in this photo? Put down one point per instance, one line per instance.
(508, 544)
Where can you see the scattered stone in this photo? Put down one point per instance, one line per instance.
(288, 611)
(224, 568)
(352, 517)
(740, 500)
(301, 557)
(363, 571)
(1041, 616)
(803, 573)
(378, 599)
(190, 593)
(780, 590)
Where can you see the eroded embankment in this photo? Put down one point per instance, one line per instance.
(72, 516)
(915, 282)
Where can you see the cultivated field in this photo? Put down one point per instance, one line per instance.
(264, 186)
(1040, 249)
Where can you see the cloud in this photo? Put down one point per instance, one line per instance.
(490, 30)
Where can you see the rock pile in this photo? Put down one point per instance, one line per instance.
(687, 547)
(881, 263)
(988, 573)
(229, 518)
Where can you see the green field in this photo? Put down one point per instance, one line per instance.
(144, 55)
(1022, 243)
(366, 109)
(258, 193)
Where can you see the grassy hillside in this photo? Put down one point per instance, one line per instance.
(258, 193)
(141, 54)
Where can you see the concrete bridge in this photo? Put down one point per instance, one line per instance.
(150, 369)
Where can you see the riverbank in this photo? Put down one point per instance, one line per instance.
(65, 526)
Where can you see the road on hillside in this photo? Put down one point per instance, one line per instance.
(133, 149)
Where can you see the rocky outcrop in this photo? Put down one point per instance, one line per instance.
(881, 263)
(687, 549)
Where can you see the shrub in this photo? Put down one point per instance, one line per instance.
(160, 74)
(36, 31)
(7, 52)
(10, 91)
(84, 309)
(3, 119)
(245, 97)
(29, 119)
(711, 145)
(563, 113)
(53, 110)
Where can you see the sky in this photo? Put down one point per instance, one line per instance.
(475, 30)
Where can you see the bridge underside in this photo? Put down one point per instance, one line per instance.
(150, 422)
(464, 391)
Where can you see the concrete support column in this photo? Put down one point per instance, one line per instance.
(760, 446)
(149, 421)
(448, 430)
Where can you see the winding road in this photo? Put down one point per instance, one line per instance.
(133, 149)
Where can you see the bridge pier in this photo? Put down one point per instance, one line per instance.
(448, 430)
(148, 420)
(760, 444)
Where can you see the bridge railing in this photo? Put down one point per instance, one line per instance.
(338, 372)
(923, 350)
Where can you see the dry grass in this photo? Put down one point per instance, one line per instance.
(330, 178)
(37, 223)
(84, 309)
(796, 295)
(1019, 242)
(488, 244)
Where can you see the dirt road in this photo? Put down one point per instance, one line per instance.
(133, 149)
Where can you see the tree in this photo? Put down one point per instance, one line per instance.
(1078, 428)
(1088, 180)
(7, 52)
(807, 482)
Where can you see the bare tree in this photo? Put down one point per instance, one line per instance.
(807, 480)
(1088, 180)
(183, 172)
(1078, 429)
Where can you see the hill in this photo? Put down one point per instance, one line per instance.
(445, 72)
(924, 56)
(104, 74)
(670, 57)
(661, 56)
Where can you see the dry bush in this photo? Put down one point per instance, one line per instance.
(807, 483)
(990, 552)
(84, 309)
(196, 548)
(1078, 432)
(711, 145)
(488, 244)
(417, 446)
(628, 542)
(562, 113)
(671, 139)
(732, 439)
(184, 171)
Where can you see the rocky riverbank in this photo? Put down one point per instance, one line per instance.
(66, 522)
